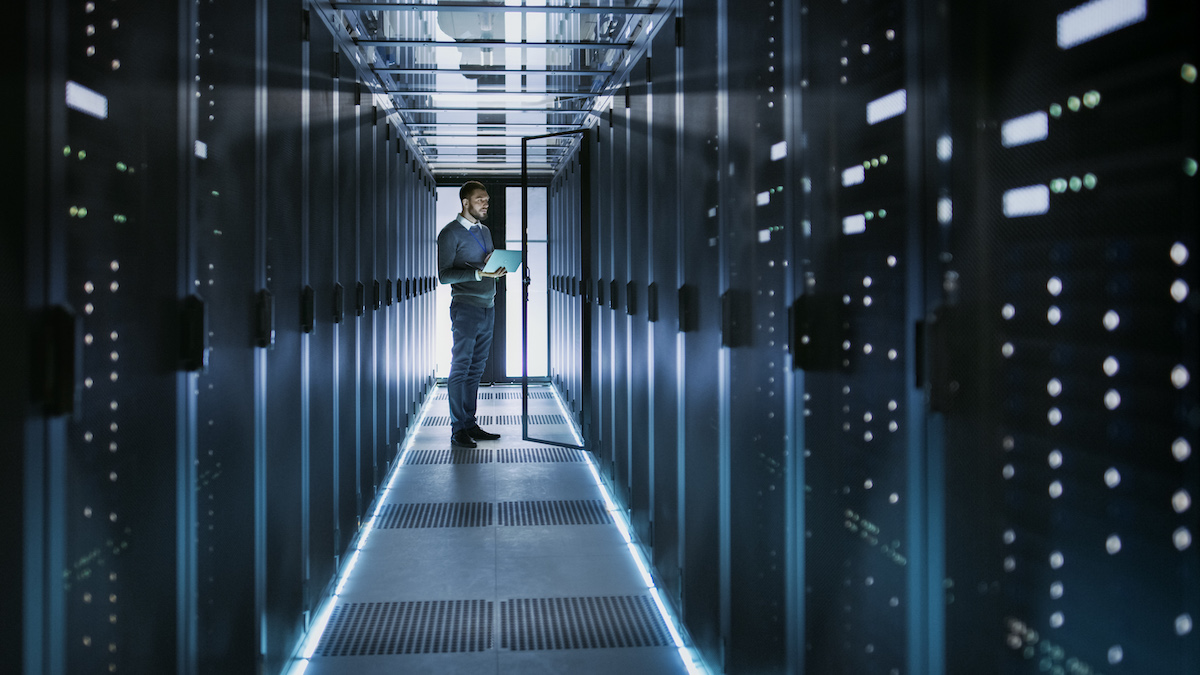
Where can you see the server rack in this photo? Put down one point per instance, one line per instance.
(195, 483)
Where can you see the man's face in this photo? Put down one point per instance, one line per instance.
(477, 205)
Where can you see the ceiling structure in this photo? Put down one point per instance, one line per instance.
(467, 80)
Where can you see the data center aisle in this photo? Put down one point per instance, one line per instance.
(499, 559)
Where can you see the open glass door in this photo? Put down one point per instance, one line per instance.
(562, 440)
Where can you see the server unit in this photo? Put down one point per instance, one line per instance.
(923, 379)
(877, 316)
(225, 369)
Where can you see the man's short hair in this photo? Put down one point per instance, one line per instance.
(469, 188)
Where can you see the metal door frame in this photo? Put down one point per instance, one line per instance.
(585, 134)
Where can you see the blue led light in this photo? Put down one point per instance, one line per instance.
(317, 629)
(690, 659)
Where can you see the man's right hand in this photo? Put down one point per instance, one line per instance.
(493, 275)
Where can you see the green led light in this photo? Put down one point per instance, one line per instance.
(67, 151)
(1091, 99)
(216, 194)
(82, 154)
(883, 159)
(1189, 166)
(1076, 183)
(121, 166)
(874, 163)
(866, 164)
(1055, 110)
(83, 212)
(1073, 103)
(1188, 73)
(883, 213)
(1058, 185)
(780, 189)
(869, 215)
(118, 218)
(74, 211)
(1089, 181)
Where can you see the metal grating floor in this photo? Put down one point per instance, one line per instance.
(500, 559)
(498, 420)
(581, 623)
(562, 512)
(454, 514)
(501, 455)
(377, 628)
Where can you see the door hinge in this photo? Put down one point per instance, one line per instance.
(339, 303)
(932, 359)
(308, 317)
(193, 345)
(687, 302)
(264, 333)
(814, 327)
(735, 307)
(59, 357)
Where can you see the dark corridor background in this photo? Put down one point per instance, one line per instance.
(877, 314)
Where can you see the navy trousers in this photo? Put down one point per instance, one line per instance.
(472, 328)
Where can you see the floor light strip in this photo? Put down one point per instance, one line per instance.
(317, 629)
(691, 661)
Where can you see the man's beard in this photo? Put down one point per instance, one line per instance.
(478, 215)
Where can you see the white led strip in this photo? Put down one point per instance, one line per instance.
(1025, 129)
(86, 101)
(854, 175)
(887, 107)
(1096, 19)
(1032, 200)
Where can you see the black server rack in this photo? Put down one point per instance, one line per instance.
(638, 246)
(662, 310)
(879, 318)
(192, 281)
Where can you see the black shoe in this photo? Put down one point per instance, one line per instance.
(462, 439)
(481, 435)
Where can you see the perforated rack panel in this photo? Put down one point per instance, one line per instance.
(864, 418)
(1072, 339)
(213, 179)
(887, 309)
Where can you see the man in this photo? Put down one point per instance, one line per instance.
(464, 246)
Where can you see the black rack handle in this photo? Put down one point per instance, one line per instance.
(308, 318)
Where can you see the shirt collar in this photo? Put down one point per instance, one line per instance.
(466, 223)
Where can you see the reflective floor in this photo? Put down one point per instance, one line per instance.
(501, 559)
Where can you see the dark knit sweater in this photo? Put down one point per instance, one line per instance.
(459, 257)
